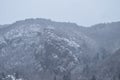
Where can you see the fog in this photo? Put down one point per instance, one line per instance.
(82, 12)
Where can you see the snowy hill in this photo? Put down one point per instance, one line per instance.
(41, 49)
(106, 35)
(109, 69)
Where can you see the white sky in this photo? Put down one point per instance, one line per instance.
(82, 12)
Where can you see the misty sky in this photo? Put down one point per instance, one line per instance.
(82, 12)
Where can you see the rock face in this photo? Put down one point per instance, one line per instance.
(40, 49)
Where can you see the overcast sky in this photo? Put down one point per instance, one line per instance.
(82, 12)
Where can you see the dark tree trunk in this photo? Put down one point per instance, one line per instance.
(55, 77)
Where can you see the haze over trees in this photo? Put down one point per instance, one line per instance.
(41, 49)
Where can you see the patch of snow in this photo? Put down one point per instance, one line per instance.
(11, 76)
(71, 43)
(50, 27)
(54, 56)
